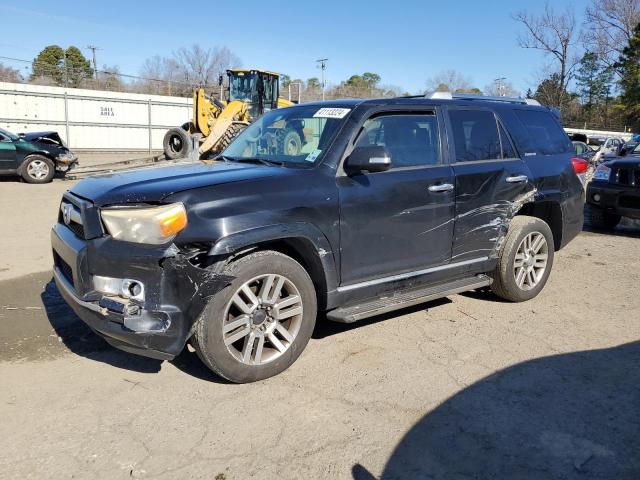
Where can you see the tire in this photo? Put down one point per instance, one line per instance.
(226, 353)
(37, 169)
(176, 143)
(232, 132)
(598, 218)
(522, 237)
(289, 142)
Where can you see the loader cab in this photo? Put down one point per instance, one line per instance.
(257, 88)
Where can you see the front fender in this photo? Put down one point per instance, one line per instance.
(237, 241)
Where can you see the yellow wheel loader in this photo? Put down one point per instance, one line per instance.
(216, 123)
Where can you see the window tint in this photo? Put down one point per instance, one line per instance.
(546, 137)
(507, 148)
(410, 139)
(475, 135)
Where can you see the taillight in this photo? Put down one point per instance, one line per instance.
(579, 165)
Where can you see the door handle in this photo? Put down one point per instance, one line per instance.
(517, 179)
(443, 187)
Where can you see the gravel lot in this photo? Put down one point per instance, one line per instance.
(466, 387)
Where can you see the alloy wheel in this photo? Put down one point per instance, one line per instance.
(262, 319)
(530, 261)
(38, 169)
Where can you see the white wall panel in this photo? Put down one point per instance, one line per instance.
(90, 119)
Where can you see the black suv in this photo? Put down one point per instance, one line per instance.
(614, 191)
(388, 203)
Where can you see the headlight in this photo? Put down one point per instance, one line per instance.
(602, 173)
(152, 225)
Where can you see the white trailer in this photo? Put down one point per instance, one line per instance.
(93, 119)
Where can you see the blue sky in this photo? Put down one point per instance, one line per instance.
(406, 41)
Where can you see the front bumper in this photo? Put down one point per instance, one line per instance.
(617, 199)
(66, 162)
(158, 326)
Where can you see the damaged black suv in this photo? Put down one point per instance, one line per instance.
(384, 204)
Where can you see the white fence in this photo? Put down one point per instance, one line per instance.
(90, 119)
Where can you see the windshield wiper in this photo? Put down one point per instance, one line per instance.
(224, 158)
(264, 161)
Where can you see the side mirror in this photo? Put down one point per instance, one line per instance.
(370, 159)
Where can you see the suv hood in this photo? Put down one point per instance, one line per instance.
(148, 185)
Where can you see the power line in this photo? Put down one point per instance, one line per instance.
(80, 70)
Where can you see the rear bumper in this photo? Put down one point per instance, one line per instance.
(175, 291)
(617, 199)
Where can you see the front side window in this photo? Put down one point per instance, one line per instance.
(410, 139)
(475, 135)
(292, 136)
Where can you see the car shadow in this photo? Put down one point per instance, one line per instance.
(568, 416)
(83, 341)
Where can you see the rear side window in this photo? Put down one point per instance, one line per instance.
(475, 134)
(545, 136)
(411, 139)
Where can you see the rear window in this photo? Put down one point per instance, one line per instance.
(545, 135)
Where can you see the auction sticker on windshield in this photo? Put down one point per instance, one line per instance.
(331, 113)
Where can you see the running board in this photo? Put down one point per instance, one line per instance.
(405, 299)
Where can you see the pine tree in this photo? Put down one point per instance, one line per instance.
(49, 63)
(629, 65)
(78, 67)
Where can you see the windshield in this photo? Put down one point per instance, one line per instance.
(243, 86)
(8, 134)
(293, 136)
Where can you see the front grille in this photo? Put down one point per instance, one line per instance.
(627, 176)
(628, 201)
(77, 229)
(64, 267)
(74, 221)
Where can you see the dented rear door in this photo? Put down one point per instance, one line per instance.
(491, 182)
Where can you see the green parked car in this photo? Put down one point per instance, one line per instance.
(34, 156)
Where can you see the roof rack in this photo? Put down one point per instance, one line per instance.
(470, 96)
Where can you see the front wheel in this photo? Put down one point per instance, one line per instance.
(37, 169)
(525, 260)
(260, 324)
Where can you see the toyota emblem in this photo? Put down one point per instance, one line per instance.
(66, 214)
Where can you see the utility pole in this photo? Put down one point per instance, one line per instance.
(323, 67)
(93, 49)
(499, 85)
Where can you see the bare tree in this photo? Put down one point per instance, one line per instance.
(186, 69)
(10, 74)
(502, 89)
(449, 81)
(555, 34)
(202, 67)
(610, 25)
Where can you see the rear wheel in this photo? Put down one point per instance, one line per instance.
(597, 217)
(525, 260)
(260, 324)
(176, 143)
(37, 169)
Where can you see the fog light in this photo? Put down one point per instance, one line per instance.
(596, 197)
(132, 289)
(126, 288)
